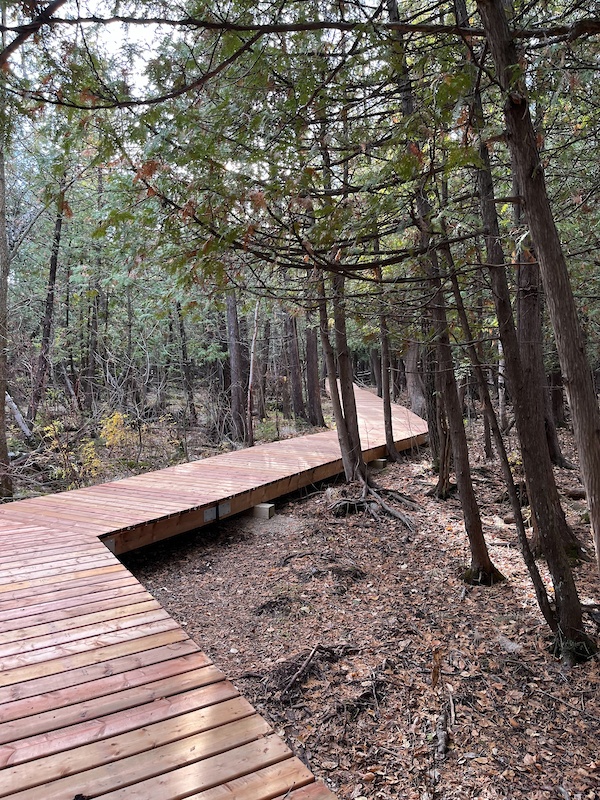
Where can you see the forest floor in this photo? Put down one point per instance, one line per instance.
(382, 670)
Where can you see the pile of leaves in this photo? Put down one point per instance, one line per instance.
(384, 672)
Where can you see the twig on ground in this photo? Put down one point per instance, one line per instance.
(303, 667)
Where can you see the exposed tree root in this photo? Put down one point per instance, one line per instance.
(573, 652)
(477, 577)
(372, 502)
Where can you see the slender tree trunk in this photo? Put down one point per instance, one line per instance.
(238, 413)
(414, 380)
(295, 368)
(336, 402)
(6, 486)
(19, 419)
(398, 377)
(559, 295)
(375, 357)
(481, 570)
(388, 423)
(186, 369)
(263, 368)
(344, 363)
(385, 367)
(251, 373)
(538, 583)
(39, 378)
(529, 317)
(502, 408)
(313, 388)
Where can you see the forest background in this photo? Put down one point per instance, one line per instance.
(200, 207)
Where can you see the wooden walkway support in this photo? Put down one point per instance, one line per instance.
(102, 694)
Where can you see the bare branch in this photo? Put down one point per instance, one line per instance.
(584, 27)
(24, 32)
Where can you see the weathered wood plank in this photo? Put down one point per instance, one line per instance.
(99, 650)
(61, 630)
(117, 663)
(76, 705)
(151, 759)
(216, 770)
(262, 784)
(27, 597)
(69, 751)
(76, 606)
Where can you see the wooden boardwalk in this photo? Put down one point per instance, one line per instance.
(102, 694)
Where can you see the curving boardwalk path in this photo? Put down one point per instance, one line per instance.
(102, 694)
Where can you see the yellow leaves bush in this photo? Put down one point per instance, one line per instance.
(115, 431)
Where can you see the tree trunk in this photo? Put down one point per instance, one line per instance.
(39, 378)
(398, 377)
(338, 413)
(528, 410)
(557, 398)
(385, 381)
(375, 358)
(186, 370)
(295, 368)
(538, 583)
(481, 570)
(262, 370)
(313, 388)
(530, 333)
(502, 414)
(251, 373)
(238, 428)
(559, 295)
(19, 419)
(344, 363)
(6, 486)
(414, 380)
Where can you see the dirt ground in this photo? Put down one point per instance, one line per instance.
(386, 674)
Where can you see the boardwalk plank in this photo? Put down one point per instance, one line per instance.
(102, 694)
(111, 663)
(77, 606)
(151, 759)
(34, 717)
(186, 781)
(63, 630)
(94, 746)
(114, 645)
(22, 599)
(263, 784)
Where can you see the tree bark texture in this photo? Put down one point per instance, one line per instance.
(338, 413)
(295, 367)
(6, 487)
(238, 414)
(481, 570)
(544, 234)
(530, 332)
(414, 380)
(186, 369)
(39, 378)
(344, 363)
(313, 387)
